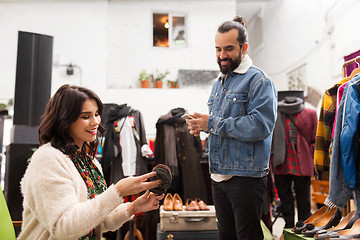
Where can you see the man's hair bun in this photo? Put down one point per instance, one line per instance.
(241, 20)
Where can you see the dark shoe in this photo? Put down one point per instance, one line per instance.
(301, 225)
(330, 218)
(354, 231)
(164, 174)
(345, 223)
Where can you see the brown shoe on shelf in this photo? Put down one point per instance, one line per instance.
(178, 203)
(202, 205)
(191, 205)
(168, 204)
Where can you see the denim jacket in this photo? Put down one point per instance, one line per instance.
(349, 136)
(242, 117)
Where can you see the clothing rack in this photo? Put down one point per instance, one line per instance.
(356, 59)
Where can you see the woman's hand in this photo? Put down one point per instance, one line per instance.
(147, 202)
(134, 185)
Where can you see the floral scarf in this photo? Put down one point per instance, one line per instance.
(92, 177)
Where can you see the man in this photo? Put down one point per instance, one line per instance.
(242, 114)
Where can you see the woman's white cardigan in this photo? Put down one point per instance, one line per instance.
(55, 200)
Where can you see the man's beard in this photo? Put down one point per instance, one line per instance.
(228, 69)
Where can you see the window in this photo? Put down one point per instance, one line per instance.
(169, 30)
(297, 78)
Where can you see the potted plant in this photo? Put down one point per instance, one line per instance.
(173, 84)
(158, 77)
(144, 79)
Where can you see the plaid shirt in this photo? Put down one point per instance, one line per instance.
(323, 138)
(291, 164)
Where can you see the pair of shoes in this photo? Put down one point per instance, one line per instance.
(172, 203)
(202, 205)
(301, 225)
(346, 223)
(350, 233)
(195, 205)
(327, 220)
(163, 173)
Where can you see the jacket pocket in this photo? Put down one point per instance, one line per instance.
(211, 105)
(235, 104)
(238, 155)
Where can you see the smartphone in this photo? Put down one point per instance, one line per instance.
(187, 116)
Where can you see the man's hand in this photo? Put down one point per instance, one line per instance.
(198, 124)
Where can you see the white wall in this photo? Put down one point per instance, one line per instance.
(111, 42)
(130, 50)
(79, 29)
(319, 33)
(130, 38)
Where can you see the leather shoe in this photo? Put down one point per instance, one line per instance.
(330, 218)
(191, 205)
(178, 203)
(345, 223)
(301, 225)
(354, 231)
(201, 204)
(168, 204)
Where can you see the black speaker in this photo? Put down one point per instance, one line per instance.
(33, 77)
(17, 156)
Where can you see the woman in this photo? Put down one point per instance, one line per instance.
(65, 194)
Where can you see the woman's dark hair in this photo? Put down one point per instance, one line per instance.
(62, 110)
(238, 23)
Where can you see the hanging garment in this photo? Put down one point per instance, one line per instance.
(112, 158)
(306, 122)
(339, 191)
(190, 152)
(278, 140)
(302, 147)
(352, 66)
(165, 141)
(340, 93)
(111, 149)
(128, 146)
(181, 151)
(323, 139)
(349, 135)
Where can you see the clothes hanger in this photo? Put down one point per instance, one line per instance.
(355, 71)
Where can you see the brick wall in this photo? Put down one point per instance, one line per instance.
(130, 38)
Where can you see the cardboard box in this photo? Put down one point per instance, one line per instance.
(188, 220)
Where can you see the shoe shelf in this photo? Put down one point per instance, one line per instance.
(290, 235)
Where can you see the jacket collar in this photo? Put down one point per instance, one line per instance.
(242, 68)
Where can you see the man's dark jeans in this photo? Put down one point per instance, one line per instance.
(238, 203)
